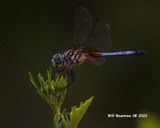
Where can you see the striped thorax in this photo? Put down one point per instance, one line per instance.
(69, 58)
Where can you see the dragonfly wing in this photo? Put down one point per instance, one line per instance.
(99, 61)
(83, 25)
(100, 38)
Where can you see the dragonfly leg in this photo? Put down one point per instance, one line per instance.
(67, 72)
(59, 70)
(71, 76)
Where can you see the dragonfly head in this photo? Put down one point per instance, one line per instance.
(56, 60)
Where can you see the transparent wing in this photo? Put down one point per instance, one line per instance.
(99, 61)
(83, 25)
(100, 38)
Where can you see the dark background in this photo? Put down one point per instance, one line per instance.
(32, 31)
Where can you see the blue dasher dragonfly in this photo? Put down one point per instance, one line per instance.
(91, 41)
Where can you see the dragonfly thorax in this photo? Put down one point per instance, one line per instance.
(69, 58)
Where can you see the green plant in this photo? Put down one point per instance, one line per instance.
(53, 90)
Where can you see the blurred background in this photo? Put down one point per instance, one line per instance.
(32, 31)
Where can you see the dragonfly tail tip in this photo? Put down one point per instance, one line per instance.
(141, 52)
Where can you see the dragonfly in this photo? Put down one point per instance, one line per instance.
(91, 43)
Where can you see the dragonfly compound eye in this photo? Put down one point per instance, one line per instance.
(56, 59)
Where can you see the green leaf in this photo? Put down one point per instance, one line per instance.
(49, 75)
(43, 84)
(32, 80)
(76, 114)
